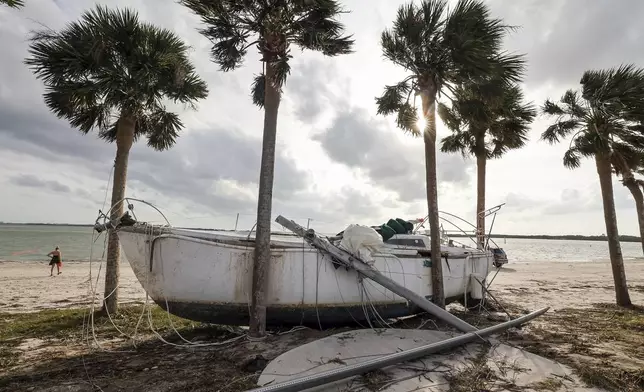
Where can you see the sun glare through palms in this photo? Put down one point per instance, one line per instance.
(421, 123)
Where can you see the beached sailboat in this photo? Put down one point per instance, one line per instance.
(206, 275)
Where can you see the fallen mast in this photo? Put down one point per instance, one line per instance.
(366, 270)
(334, 375)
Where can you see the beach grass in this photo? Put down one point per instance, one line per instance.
(70, 323)
(604, 345)
(55, 347)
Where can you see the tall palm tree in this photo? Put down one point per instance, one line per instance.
(13, 3)
(111, 73)
(271, 27)
(602, 118)
(487, 119)
(439, 49)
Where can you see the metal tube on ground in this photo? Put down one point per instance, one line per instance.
(365, 269)
(334, 375)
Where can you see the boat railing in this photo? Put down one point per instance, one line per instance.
(455, 229)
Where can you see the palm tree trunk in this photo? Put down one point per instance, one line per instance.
(632, 185)
(124, 141)
(481, 162)
(428, 95)
(264, 206)
(604, 170)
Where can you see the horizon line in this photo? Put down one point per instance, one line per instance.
(501, 235)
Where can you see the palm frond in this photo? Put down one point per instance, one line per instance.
(227, 28)
(160, 127)
(433, 16)
(448, 49)
(630, 135)
(474, 37)
(572, 159)
(393, 97)
(572, 104)
(316, 29)
(561, 129)
(109, 64)
(409, 24)
(258, 90)
(606, 114)
(508, 134)
(552, 109)
(395, 49)
(407, 119)
(450, 117)
(271, 26)
(109, 133)
(489, 116)
(509, 68)
(13, 3)
(616, 91)
(591, 143)
(455, 142)
(630, 155)
(282, 70)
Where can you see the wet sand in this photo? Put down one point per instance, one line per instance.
(28, 287)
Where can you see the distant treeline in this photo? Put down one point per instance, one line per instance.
(45, 224)
(622, 238)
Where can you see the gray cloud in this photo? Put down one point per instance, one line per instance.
(570, 201)
(30, 181)
(309, 87)
(216, 168)
(364, 143)
(200, 160)
(189, 170)
(307, 90)
(215, 171)
(562, 39)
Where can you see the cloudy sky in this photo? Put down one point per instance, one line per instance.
(338, 163)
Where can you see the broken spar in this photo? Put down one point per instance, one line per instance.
(366, 270)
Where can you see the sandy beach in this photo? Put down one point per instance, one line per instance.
(46, 350)
(28, 287)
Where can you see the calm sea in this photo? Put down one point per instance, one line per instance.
(32, 243)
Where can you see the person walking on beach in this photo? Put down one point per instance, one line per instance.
(57, 259)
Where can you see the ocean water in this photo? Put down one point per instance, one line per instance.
(32, 243)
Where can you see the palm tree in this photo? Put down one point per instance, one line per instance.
(603, 121)
(487, 119)
(13, 3)
(440, 48)
(110, 72)
(272, 28)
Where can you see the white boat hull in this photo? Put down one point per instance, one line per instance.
(207, 277)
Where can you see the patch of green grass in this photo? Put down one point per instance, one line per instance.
(65, 326)
(68, 323)
(43, 324)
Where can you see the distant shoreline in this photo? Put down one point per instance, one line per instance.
(571, 237)
(46, 224)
